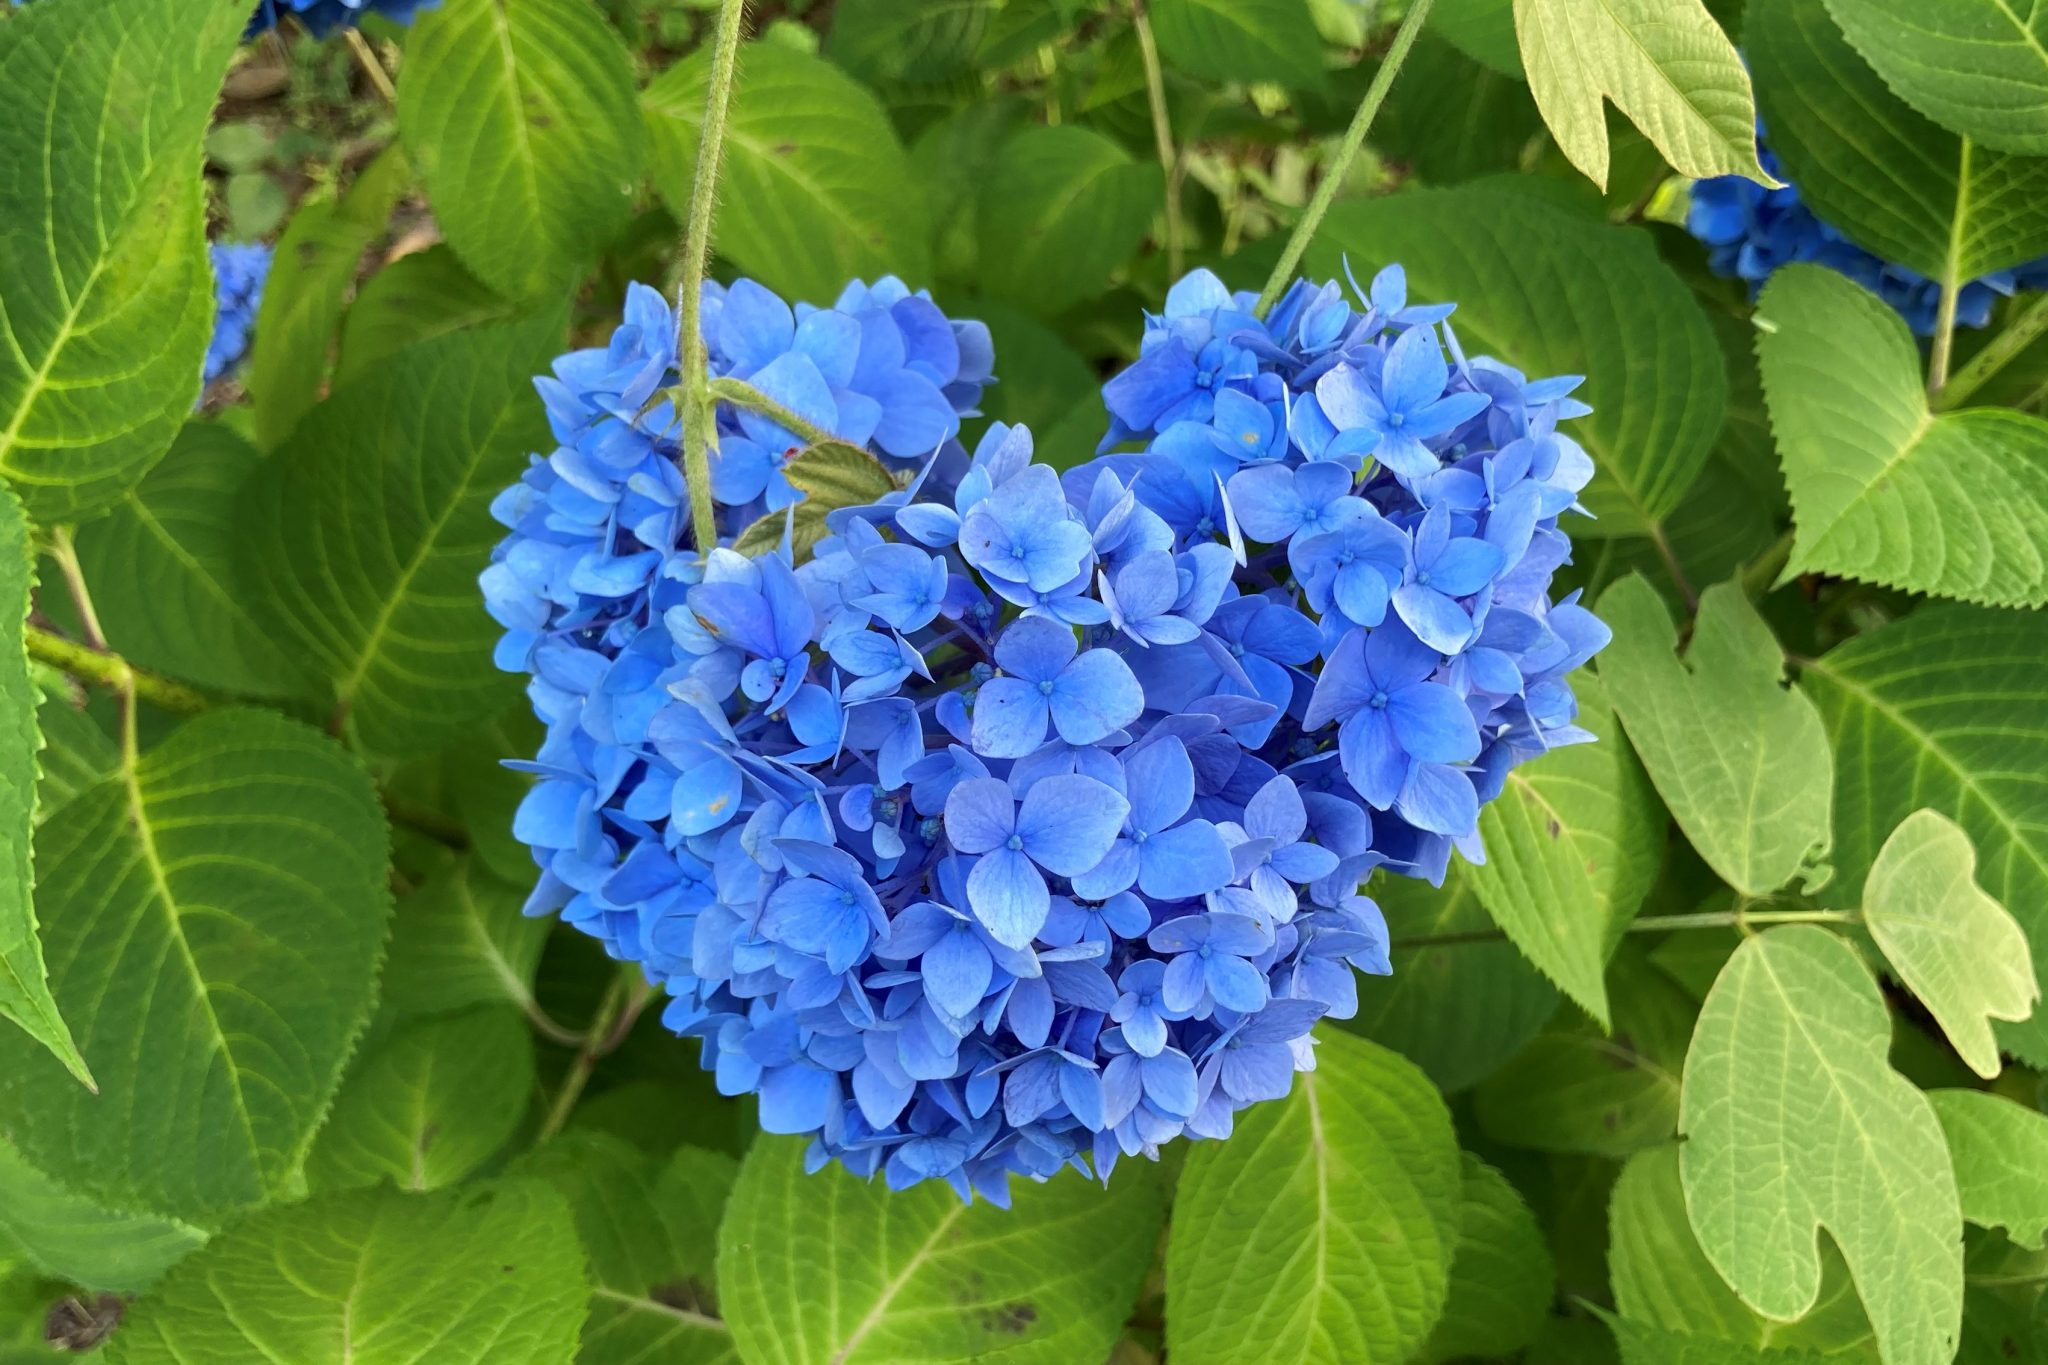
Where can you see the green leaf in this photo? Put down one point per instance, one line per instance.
(1239, 40)
(370, 527)
(2000, 1151)
(1325, 1227)
(106, 297)
(1742, 763)
(522, 122)
(1665, 63)
(486, 794)
(907, 40)
(1572, 845)
(1458, 1008)
(1794, 1123)
(816, 188)
(1955, 947)
(1550, 292)
(1044, 381)
(1663, 1279)
(416, 298)
(1979, 67)
(1502, 1278)
(1943, 710)
(300, 316)
(213, 920)
(1476, 121)
(1882, 489)
(24, 980)
(1483, 30)
(72, 1238)
(429, 1104)
(1579, 1089)
(1642, 1344)
(830, 475)
(1061, 209)
(461, 940)
(649, 1226)
(76, 753)
(1894, 182)
(489, 1276)
(162, 572)
(828, 1269)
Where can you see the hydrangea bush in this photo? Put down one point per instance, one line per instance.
(239, 271)
(1023, 821)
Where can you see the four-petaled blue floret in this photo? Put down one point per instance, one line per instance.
(1751, 232)
(1022, 823)
(239, 272)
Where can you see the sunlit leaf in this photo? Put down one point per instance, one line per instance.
(2000, 1150)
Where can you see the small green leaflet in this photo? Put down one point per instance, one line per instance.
(2000, 1150)
(1061, 208)
(429, 1104)
(1795, 1122)
(1943, 710)
(1883, 490)
(69, 1237)
(1895, 183)
(1325, 1227)
(1502, 1277)
(106, 297)
(460, 940)
(487, 1275)
(816, 188)
(322, 252)
(1979, 67)
(1239, 40)
(830, 474)
(1954, 946)
(521, 119)
(1665, 64)
(213, 920)
(828, 1269)
(1742, 763)
(24, 981)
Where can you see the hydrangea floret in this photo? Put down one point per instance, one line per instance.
(239, 272)
(1022, 822)
(323, 17)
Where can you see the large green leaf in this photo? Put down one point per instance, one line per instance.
(460, 940)
(1061, 208)
(521, 119)
(1483, 30)
(1742, 763)
(1882, 489)
(300, 316)
(77, 753)
(213, 920)
(1550, 292)
(479, 1276)
(1239, 40)
(1642, 1344)
(1572, 845)
(816, 188)
(72, 1238)
(370, 526)
(1324, 1228)
(1502, 1277)
(908, 40)
(429, 1104)
(1904, 187)
(24, 980)
(1943, 710)
(162, 571)
(1665, 63)
(1979, 67)
(1458, 1007)
(416, 298)
(106, 298)
(2000, 1151)
(1956, 947)
(828, 1269)
(649, 1227)
(1795, 1122)
(1661, 1277)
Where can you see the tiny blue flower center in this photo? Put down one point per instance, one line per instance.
(1139, 836)
(1203, 952)
(777, 666)
(1237, 649)
(1207, 526)
(1345, 559)
(1378, 702)
(846, 898)
(1015, 843)
(886, 809)
(1046, 687)
(1397, 419)
(928, 829)
(1422, 578)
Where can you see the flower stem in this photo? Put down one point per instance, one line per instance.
(1340, 164)
(1944, 339)
(1162, 135)
(2019, 334)
(112, 672)
(700, 428)
(620, 1010)
(741, 394)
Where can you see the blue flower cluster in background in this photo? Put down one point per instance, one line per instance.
(1750, 232)
(1023, 823)
(322, 17)
(239, 271)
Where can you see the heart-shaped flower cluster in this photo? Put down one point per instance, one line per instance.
(1022, 823)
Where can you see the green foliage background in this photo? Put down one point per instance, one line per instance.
(1728, 1054)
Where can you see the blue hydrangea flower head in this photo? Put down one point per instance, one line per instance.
(1022, 823)
(239, 272)
(323, 17)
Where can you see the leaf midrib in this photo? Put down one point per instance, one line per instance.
(879, 1310)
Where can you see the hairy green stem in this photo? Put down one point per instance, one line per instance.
(741, 394)
(112, 672)
(700, 426)
(1162, 137)
(1648, 924)
(1347, 151)
(2018, 334)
